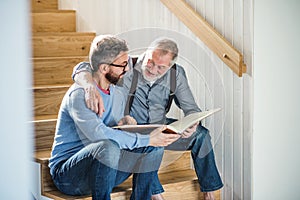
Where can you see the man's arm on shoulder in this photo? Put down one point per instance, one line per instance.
(82, 75)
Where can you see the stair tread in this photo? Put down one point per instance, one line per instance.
(60, 196)
(42, 157)
(52, 86)
(71, 33)
(45, 118)
(52, 11)
(60, 57)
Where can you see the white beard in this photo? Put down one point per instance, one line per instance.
(147, 78)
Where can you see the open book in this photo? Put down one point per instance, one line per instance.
(175, 127)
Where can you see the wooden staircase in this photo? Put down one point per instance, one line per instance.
(57, 48)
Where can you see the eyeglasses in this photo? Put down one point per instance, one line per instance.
(115, 65)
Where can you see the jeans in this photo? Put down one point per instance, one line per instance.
(203, 157)
(98, 167)
(143, 163)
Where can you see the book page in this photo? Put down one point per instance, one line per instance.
(175, 127)
(189, 120)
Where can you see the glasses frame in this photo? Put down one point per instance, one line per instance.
(115, 65)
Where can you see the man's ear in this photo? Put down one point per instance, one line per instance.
(104, 68)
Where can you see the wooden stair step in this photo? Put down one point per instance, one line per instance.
(47, 100)
(54, 21)
(44, 118)
(44, 136)
(183, 186)
(181, 163)
(42, 156)
(182, 178)
(175, 160)
(54, 70)
(178, 185)
(180, 160)
(62, 44)
(38, 5)
(185, 190)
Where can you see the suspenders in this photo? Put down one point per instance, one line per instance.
(132, 88)
(134, 84)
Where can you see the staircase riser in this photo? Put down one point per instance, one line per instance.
(54, 71)
(47, 100)
(44, 5)
(44, 134)
(60, 46)
(54, 22)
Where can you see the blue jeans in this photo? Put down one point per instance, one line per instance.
(99, 167)
(203, 157)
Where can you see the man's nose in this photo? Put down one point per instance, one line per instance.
(153, 69)
(126, 68)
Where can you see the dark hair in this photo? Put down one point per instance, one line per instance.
(105, 49)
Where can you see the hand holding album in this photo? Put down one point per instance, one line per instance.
(190, 130)
(127, 120)
(176, 127)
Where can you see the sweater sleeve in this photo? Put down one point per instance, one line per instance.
(82, 66)
(90, 126)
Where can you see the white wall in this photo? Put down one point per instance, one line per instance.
(15, 101)
(276, 137)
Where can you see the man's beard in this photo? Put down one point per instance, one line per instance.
(149, 79)
(113, 79)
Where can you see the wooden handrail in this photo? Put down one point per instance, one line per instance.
(202, 29)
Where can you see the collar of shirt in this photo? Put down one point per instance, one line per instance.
(103, 90)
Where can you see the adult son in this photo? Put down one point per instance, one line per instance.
(151, 101)
(86, 154)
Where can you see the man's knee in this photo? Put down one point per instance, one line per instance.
(202, 133)
(107, 152)
(202, 145)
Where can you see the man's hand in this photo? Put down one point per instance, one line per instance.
(93, 99)
(160, 139)
(189, 131)
(127, 120)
